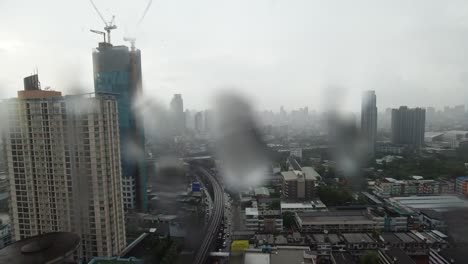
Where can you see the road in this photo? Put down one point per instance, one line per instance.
(227, 224)
(212, 228)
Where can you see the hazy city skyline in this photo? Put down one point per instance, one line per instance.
(275, 52)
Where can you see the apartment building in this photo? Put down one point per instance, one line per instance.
(461, 185)
(269, 221)
(63, 160)
(388, 187)
(299, 184)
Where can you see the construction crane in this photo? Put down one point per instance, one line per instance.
(131, 40)
(108, 25)
(99, 32)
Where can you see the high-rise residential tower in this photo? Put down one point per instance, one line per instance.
(117, 70)
(408, 125)
(199, 122)
(64, 169)
(177, 114)
(369, 120)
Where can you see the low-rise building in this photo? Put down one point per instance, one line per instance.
(305, 207)
(388, 187)
(388, 219)
(267, 203)
(335, 222)
(326, 242)
(261, 192)
(446, 187)
(441, 202)
(280, 255)
(296, 152)
(394, 255)
(269, 221)
(343, 257)
(452, 255)
(389, 148)
(432, 219)
(357, 243)
(461, 185)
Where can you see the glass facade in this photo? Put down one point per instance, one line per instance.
(117, 70)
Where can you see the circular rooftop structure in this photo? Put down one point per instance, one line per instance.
(47, 248)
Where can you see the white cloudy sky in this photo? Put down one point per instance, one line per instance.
(278, 52)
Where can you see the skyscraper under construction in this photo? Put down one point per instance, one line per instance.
(117, 70)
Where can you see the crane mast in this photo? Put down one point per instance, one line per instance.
(108, 26)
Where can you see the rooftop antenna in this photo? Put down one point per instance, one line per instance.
(108, 25)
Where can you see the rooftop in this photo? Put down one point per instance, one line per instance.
(292, 175)
(306, 205)
(358, 238)
(334, 238)
(251, 211)
(433, 202)
(282, 254)
(44, 248)
(343, 257)
(397, 254)
(405, 237)
(262, 191)
(310, 173)
(334, 219)
(289, 255)
(390, 238)
(431, 213)
(371, 197)
(256, 257)
(457, 254)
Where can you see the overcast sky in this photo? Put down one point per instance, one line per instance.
(277, 52)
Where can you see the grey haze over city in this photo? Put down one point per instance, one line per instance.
(290, 53)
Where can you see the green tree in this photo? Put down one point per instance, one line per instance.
(334, 195)
(288, 219)
(369, 257)
(320, 169)
(275, 205)
(171, 254)
(162, 248)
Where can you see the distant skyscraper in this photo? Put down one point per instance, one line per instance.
(64, 168)
(199, 122)
(430, 113)
(177, 113)
(208, 121)
(189, 120)
(408, 126)
(369, 120)
(117, 70)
